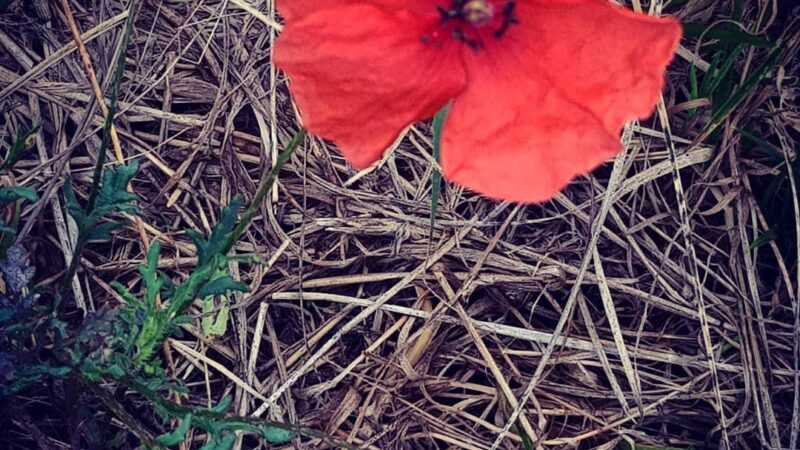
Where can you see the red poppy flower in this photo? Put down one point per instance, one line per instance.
(540, 88)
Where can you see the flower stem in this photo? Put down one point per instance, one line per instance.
(97, 173)
(263, 189)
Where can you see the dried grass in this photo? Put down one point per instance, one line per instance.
(619, 311)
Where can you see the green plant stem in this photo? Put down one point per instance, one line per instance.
(180, 411)
(118, 410)
(119, 70)
(263, 189)
(84, 229)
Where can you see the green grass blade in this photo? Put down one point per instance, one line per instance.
(436, 178)
(741, 94)
(266, 186)
(726, 33)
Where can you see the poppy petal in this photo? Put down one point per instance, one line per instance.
(292, 10)
(514, 136)
(361, 73)
(602, 56)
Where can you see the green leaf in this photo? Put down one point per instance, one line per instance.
(275, 435)
(223, 405)
(718, 75)
(186, 292)
(694, 92)
(74, 209)
(102, 232)
(708, 78)
(764, 239)
(114, 195)
(207, 249)
(10, 194)
(774, 152)
(221, 286)
(150, 336)
(177, 435)
(215, 324)
(216, 303)
(215, 320)
(436, 178)
(152, 279)
(744, 90)
(725, 32)
(155, 323)
(124, 292)
(116, 371)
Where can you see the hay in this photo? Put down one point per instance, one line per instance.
(600, 303)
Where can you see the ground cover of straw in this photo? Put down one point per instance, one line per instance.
(633, 307)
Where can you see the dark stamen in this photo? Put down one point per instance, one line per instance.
(508, 19)
(475, 15)
(460, 36)
(446, 14)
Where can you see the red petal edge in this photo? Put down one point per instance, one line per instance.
(604, 57)
(361, 73)
(547, 101)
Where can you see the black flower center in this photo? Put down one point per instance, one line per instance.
(469, 17)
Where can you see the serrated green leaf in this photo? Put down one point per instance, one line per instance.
(168, 286)
(177, 435)
(114, 195)
(208, 249)
(124, 292)
(182, 319)
(215, 300)
(186, 292)
(149, 337)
